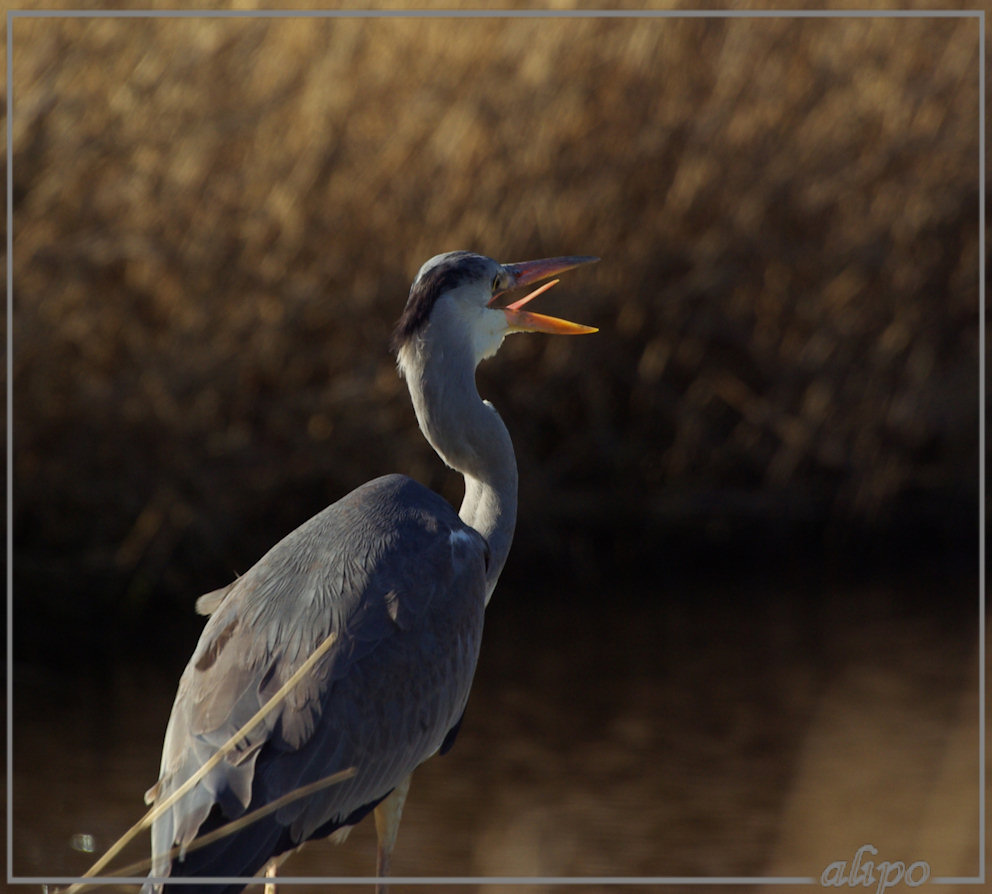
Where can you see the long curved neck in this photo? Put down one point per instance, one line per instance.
(470, 437)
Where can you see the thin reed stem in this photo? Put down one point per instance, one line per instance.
(222, 752)
(227, 829)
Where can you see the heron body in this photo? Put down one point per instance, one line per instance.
(399, 578)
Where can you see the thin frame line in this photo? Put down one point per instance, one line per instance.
(501, 14)
(105, 881)
(10, 446)
(435, 880)
(981, 447)
(498, 14)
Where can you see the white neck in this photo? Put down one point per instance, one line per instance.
(467, 434)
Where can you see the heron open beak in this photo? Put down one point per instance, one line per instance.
(527, 272)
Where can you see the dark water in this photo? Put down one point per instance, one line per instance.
(713, 731)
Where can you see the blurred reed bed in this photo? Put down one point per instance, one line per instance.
(216, 222)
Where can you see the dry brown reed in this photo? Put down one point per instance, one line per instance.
(216, 221)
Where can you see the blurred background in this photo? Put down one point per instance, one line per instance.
(737, 634)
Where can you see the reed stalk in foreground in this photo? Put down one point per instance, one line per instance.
(227, 829)
(222, 752)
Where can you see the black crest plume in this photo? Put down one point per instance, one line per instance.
(449, 271)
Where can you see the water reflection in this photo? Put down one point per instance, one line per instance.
(713, 734)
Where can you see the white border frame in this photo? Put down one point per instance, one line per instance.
(12, 15)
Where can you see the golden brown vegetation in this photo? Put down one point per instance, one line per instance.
(216, 222)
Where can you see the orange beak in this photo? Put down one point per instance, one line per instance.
(527, 272)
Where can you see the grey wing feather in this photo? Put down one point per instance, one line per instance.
(400, 580)
(208, 603)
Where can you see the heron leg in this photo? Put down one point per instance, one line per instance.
(387, 824)
(271, 872)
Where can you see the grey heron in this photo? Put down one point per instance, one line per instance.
(396, 574)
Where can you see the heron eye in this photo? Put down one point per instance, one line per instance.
(496, 283)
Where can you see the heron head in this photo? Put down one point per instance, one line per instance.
(466, 290)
